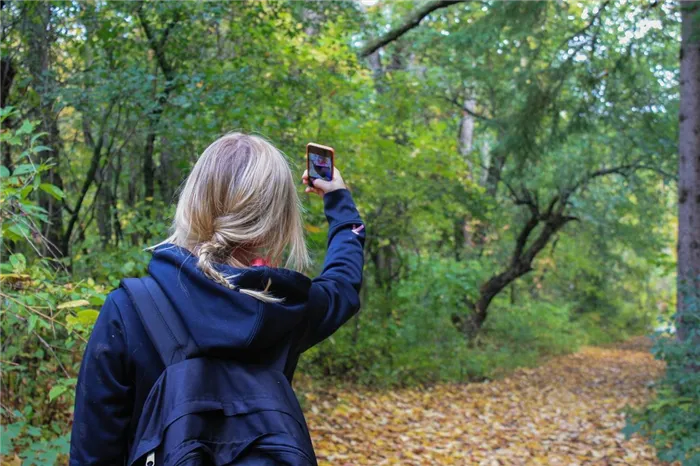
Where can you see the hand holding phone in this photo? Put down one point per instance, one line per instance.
(321, 176)
(321, 186)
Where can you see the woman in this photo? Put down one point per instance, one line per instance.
(237, 218)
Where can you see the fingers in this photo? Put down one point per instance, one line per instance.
(323, 185)
(311, 190)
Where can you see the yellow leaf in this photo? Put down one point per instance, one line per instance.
(72, 304)
(13, 277)
(88, 317)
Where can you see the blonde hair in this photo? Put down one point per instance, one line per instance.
(239, 203)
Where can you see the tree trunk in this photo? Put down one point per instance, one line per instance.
(38, 17)
(7, 76)
(158, 47)
(465, 143)
(104, 205)
(493, 176)
(485, 162)
(148, 165)
(466, 131)
(689, 171)
(520, 264)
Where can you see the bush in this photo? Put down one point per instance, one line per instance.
(45, 317)
(539, 327)
(672, 420)
(407, 336)
(404, 335)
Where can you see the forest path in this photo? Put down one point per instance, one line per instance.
(565, 412)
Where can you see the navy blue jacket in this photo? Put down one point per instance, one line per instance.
(121, 365)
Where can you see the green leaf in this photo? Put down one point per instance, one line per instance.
(55, 191)
(17, 231)
(37, 136)
(12, 140)
(32, 321)
(26, 191)
(9, 433)
(97, 299)
(37, 149)
(26, 128)
(6, 111)
(4, 172)
(57, 391)
(24, 169)
(18, 261)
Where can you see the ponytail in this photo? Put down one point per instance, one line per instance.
(209, 251)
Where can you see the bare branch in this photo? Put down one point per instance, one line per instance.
(409, 22)
(48, 347)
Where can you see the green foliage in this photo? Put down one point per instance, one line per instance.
(37, 446)
(403, 336)
(557, 93)
(538, 327)
(407, 336)
(672, 420)
(18, 210)
(45, 317)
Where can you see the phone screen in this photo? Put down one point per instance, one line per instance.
(320, 164)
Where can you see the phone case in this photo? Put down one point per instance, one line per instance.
(308, 162)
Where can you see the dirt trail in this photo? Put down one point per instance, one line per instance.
(566, 412)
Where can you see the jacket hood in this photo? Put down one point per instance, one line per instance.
(222, 320)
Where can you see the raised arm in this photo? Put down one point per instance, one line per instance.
(335, 294)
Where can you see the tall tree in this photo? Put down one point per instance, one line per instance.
(689, 167)
(40, 32)
(157, 42)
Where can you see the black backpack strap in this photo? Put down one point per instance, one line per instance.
(163, 325)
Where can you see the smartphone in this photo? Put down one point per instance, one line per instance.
(319, 162)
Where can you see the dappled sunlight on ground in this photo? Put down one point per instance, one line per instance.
(566, 412)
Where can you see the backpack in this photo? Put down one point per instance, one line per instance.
(205, 411)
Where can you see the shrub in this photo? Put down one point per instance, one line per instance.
(672, 420)
(540, 327)
(44, 316)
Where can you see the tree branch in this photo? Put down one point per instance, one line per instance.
(158, 46)
(409, 22)
(90, 177)
(521, 241)
(526, 199)
(480, 116)
(623, 170)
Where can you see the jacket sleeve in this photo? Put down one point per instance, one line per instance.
(334, 295)
(104, 395)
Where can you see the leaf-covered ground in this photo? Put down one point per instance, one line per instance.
(566, 412)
